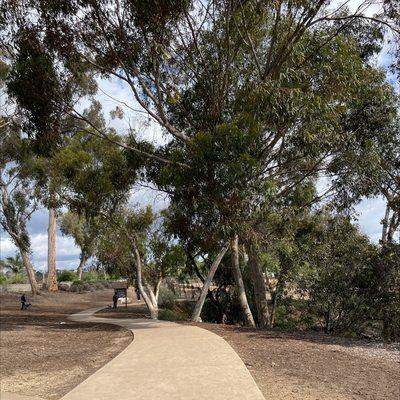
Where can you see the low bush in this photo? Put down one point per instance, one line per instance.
(3, 279)
(17, 278)
(90, 276)
(66, 276)
(171, 315)
(167, 298)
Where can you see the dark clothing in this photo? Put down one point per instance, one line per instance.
(115, 300)
(24, 306)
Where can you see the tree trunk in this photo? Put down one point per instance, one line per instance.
(385, 222)
(249, 320)
(157, 288)
(82, 261)
(260, 288)
(151, 302)
(207, 283)
(51, 252)
(29, 270)
(394, 223)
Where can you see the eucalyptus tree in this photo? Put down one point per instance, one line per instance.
(18, 197)
(84, 232)
(255, 97)
(123, 244)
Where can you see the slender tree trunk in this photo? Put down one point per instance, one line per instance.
(29, 270)
(385, 223)
(249, 320)
(51, 253)
(394, 223)
(157, 288)
(82, 261)
(150, 299)
(210, 295)
(207, 283)
(260, 287)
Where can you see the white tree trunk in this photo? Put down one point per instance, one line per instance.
(207, 283)
(29, 270)
(249, 320)
(150, 299)
(157, 289)
(385, 223)
(52, 285)
(82, 261)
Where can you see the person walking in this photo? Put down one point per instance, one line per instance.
(24, 306)
(115, 300)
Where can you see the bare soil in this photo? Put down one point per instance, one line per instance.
(43, 353)
(313, 366)
(307, 366)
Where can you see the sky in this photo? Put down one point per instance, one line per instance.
(368, 213)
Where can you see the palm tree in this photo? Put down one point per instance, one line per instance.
(14, 264)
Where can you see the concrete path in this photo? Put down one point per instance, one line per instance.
(167, 361)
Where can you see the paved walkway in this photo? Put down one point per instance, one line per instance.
(167, 361)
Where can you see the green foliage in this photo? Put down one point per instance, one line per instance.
(296, 314)
(171, 315)
(17, 278)
(3, 279)
(66, 276)
(90, 276)
(167, 298)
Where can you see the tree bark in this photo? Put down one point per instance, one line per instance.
(249, 320)
(157, 288)
(150, 299)
(394, 223)
(207, 283)
(385, 222)
(52, 285)
(30, 271)
(82, 261)
(260, 287)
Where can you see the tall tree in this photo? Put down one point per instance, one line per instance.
(17, 199)
(84, 232)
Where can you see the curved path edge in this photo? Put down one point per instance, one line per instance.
(167, 361)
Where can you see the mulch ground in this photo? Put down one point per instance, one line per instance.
(315, 366)
(43, 353)
(307, 366)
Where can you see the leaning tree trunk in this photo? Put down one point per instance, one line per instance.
(29, 270)
(260, 287)
(150, 299)
(207, 283)
(157, 288)
(82, 261)
(249, 320)
(51, 252)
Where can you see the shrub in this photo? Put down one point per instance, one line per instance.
(17, 278)
(167, 298)
(3, 279)
(90, 276)
(170, 315)
(66, 276)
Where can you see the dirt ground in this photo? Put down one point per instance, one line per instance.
(45, 355)
(307, 366)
